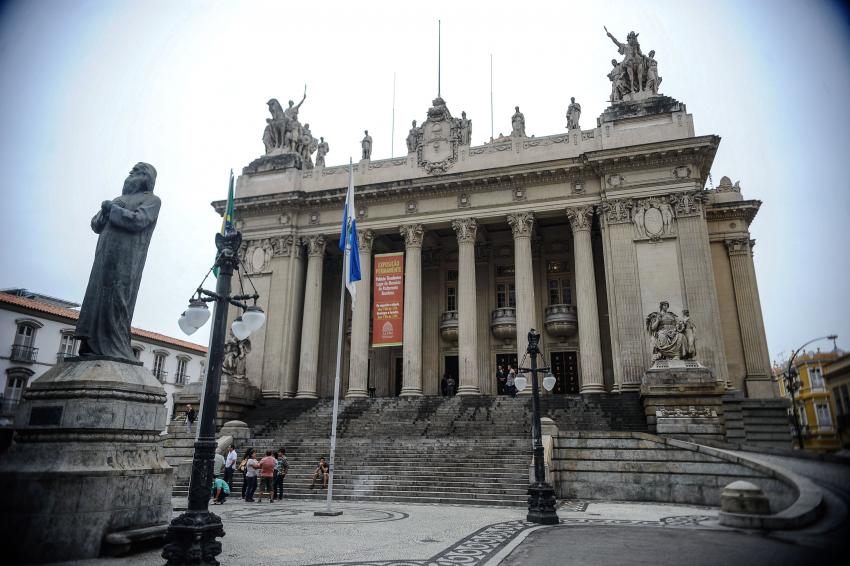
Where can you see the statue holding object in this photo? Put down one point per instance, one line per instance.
(673, 338)
(284, 134)
(636, 76)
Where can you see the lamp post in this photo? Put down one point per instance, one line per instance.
(541, 495)
(191, 537)
(792, 384)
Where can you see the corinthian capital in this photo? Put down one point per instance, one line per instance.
(688, 204)
(466, 229)
(738, 246)
(412, 234)
(315, 245)
(580, 217)
(365, 239)
(618, 211)
(522, 224)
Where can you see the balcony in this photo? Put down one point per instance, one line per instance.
(25, 354)
(161, 375)
(561, 321)
(62, 356)
(503, 324)
(448, 326)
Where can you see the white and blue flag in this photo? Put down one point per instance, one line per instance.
(348, 240)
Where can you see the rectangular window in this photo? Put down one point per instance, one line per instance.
(67, 345)
(451, 275)
(25, 335)
(560, 291)
(158, 364)
(816, 377)
(505, 295)
(180, 378)
(451, 298)
(823, 415)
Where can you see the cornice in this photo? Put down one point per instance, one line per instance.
(699, 150)
(740, 210)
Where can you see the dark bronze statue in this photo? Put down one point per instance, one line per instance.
(125, 225)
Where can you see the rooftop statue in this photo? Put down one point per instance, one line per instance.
(321, 151)
(125, 226)
(573, 114)
(518, 124)
(672, 337)
(366, 145)
(636, 76)
(285, 134)
(413, 137)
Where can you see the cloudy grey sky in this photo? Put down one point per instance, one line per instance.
(92, 87)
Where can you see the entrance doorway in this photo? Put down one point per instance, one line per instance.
(451, 369)
(503, 361)
(399, 376)
(565, 368)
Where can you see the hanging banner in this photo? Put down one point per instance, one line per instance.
(388, 294)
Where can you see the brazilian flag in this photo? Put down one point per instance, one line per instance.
(227, 219)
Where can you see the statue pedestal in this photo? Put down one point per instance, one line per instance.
(276, 162)
(235, 397)
(682, 398)
(87, 461)
(640, 104)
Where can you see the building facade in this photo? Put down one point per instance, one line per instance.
(837, 376)
(580, 234)
(39, 333)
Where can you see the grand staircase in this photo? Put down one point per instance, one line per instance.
(462, 450)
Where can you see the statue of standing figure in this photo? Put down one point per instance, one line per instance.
(413, 137)
(284, 133)
(321, 151)
(465, 129)
(672, 338)
(235, 357)
(518, 124)
(636, 74)
(366, 145)
(573, 114)
(124, 226)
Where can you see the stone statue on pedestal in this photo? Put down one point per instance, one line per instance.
(235, 357)
(125, 226)
(636, 77)
(573, 114)
(321, 151)
(413, 137)
(366, 145)
(285, 136)
(465, 126)
(518, 124)
(672, 338)
(653, 81)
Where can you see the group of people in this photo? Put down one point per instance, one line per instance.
(505, 380)
(263, 477)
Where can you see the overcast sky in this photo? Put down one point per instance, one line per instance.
(90, 88)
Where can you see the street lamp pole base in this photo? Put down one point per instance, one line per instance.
(191, 539)
(541, 504)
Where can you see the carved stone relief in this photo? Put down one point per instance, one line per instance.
(688, 204)
(412, 234)
(522, 224)
(463, 201)
(315, 245)
(437, 139)
(580, 217)
(617, 211)
(653, 219)
(466, 229)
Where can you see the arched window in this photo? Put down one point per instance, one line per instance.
(67, 346)
(23, 349)
(181, 377)
(159, 365)
(16, 382)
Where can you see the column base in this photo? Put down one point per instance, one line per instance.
(410, 392)
(630, 387)
(356, 394)
(592, 388)
(468, 390)
(306, 395)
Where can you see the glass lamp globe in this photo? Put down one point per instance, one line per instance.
(183, 323)
(198, 313)
(520, 381)
(254, 318)
(549, 382)
(240, 329)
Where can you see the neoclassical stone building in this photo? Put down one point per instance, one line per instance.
(579, 234)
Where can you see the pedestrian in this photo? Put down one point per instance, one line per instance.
(191, 415)
(243, 468)
(450, 385)
(501, 379)
(251, 470)
(218, 464)
(266, 468)
(230, 465)
(280, 470)
(509, 382)
(220, 491)
(322, 472)
(444, 385)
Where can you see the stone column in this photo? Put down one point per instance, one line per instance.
(358, 372)
(466, 230)
(292, 342)
(627, 330)
(522, 225)
(756, 357)
(412, 349)
(700, 291)
(309, 362)
(590, 351)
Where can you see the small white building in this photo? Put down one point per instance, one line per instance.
(37, 332)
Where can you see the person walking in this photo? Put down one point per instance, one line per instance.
(501, 379)
(266, 469)
(191, 415)
(230, 465)
(509, 382)
(251, 469)
(280, 470)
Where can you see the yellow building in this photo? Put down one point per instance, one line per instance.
(814, 400)
(837, 376)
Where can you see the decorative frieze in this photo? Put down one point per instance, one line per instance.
(580, 217)
(522, 224)
(412, 234)
(411, 206)
(618, 211)
(681, 172)
(314, 217)
(463, 201)
(519, 194)
(466, 229)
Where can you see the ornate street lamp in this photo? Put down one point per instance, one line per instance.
(541, 495)
(792, 384)
(191, 537)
